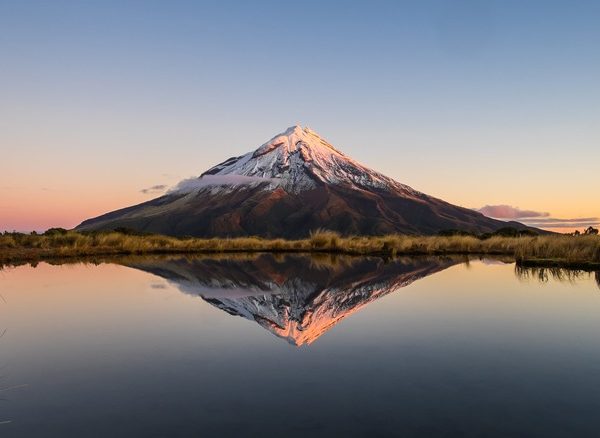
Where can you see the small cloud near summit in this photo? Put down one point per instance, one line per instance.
(508, 212)
(158, 188)
(191, 184)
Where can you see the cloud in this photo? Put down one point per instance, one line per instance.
(191, 184)
(508, 212)
(552, 222)
(536, 219)
(158, 188)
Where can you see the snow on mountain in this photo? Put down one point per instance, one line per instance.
(300, 158)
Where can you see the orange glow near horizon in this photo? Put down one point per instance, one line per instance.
(34, 211)
(28, 210)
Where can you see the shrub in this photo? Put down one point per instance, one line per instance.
(55, 232)
(130, 231)
(453, 232)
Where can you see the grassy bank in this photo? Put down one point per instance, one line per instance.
(550, 250)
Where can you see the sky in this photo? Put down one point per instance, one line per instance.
(480, 103)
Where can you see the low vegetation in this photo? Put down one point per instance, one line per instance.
(545, 250)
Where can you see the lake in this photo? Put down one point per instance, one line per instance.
(294, 346)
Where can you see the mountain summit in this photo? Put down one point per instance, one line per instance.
(302, 160)
(293, 184)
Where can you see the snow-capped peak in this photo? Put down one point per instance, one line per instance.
(300, 158)
(295, 139)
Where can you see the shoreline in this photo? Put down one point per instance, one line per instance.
(569, 252)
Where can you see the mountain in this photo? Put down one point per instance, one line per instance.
(297, 298)
(295, 183)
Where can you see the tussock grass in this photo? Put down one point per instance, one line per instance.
(547, 249)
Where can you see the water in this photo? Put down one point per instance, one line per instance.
(296, 346)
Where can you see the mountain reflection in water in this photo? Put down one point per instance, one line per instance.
(295, 297)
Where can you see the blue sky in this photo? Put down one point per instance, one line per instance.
(476, 102)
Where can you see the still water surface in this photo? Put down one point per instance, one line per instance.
(298, 346)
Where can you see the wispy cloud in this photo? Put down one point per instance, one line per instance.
(195, 183)
(509, 212)
(191, 184)
(158, 188)
(536, 219)
(552, 222)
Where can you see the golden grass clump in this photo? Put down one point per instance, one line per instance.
(324, 239)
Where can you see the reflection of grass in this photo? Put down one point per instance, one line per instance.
(543, 274)
(547, 250)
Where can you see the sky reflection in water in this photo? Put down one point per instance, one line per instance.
(411, 347)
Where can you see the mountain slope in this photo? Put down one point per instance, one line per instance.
(293, 184)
